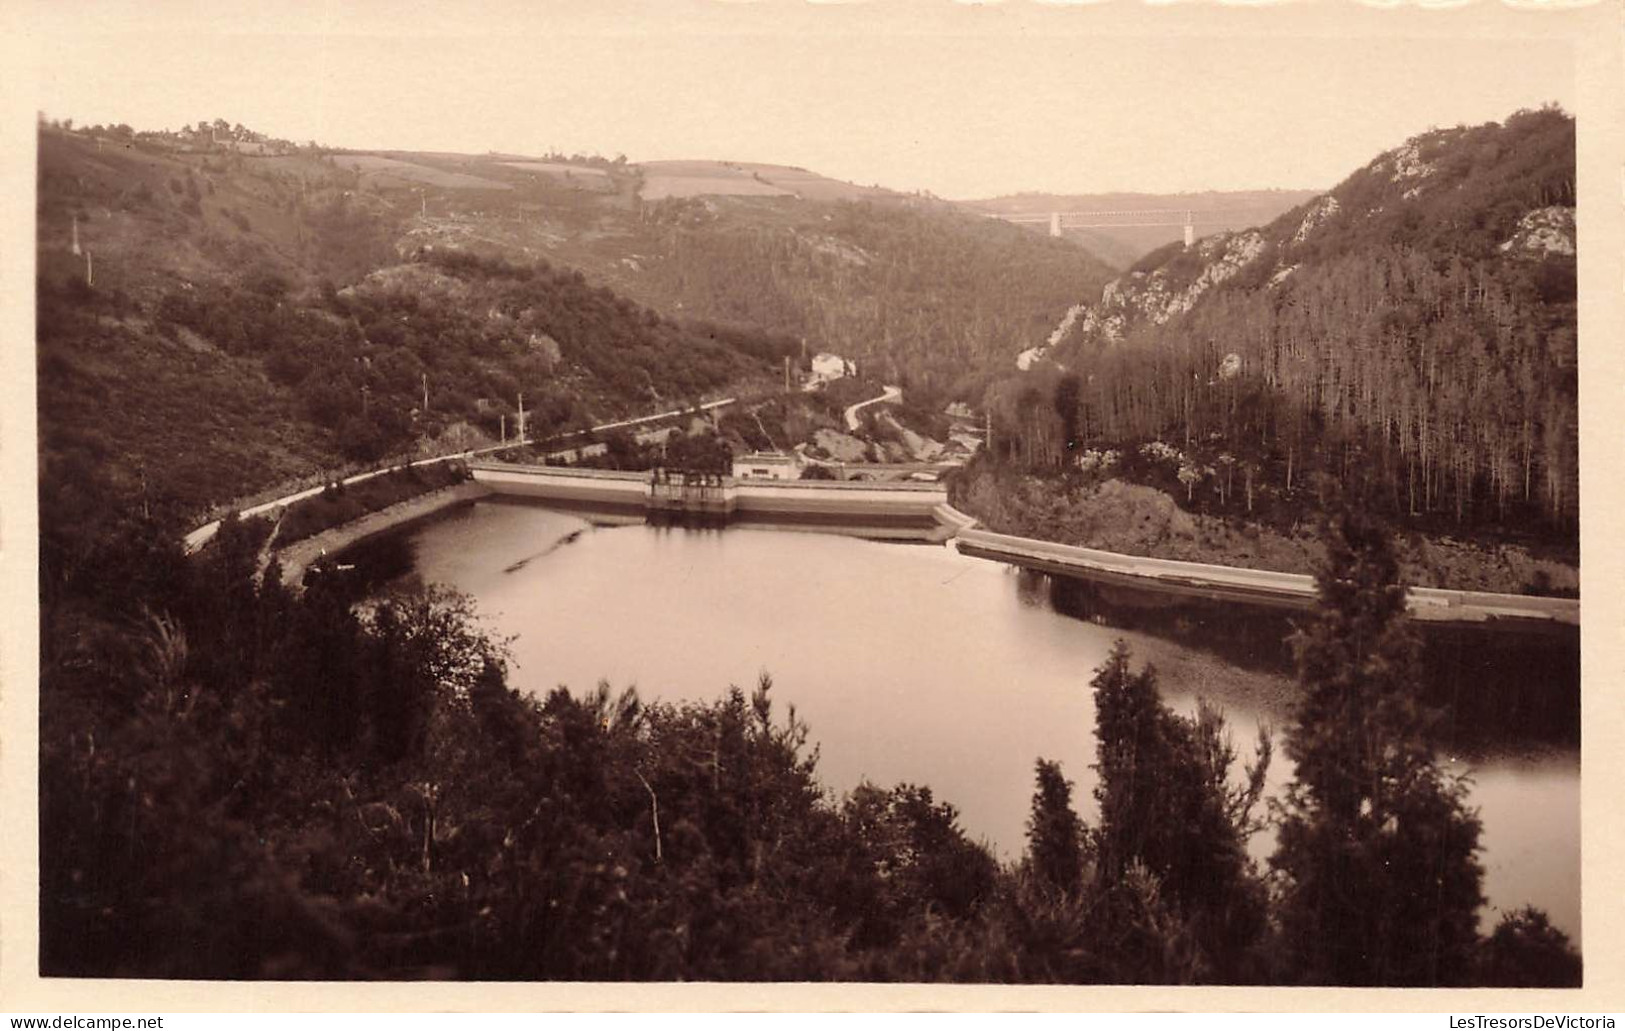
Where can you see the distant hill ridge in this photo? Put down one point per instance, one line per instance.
(1122, 239)
(1037, 202)
(234, 321)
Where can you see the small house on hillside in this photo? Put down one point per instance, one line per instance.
(765, 465)
(829, 366)
(826, 368)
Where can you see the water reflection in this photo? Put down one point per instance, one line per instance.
(1497, 689)
(918, 664)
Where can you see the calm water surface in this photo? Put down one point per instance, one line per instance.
(913, 663)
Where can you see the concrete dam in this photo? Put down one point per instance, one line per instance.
(887, 511)
(920, 512)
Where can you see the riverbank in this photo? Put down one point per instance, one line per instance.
(297, 557)
(1135, 520)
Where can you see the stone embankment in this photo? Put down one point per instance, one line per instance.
(1253, 586)
(297, 557)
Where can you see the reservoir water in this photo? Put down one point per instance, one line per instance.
(914, 663)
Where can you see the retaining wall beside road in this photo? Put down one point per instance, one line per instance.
(1255, 586)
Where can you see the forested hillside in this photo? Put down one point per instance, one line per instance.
(1128, 226)
(1413, 330)
(240, 312)
(917, 294)
(211, 324)
(914, 290)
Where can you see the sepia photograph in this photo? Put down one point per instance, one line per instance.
(878, 493)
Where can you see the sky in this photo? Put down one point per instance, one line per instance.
(963, 100)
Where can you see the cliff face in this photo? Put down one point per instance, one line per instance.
(1154, 296)
(1159, 295)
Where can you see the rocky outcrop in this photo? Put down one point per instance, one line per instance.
(1316, 216)
(1155, 296)
(843, 252)
(1541, 232)
(1025, 359)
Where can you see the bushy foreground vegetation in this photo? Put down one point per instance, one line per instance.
(1402, 333)
(238, 781)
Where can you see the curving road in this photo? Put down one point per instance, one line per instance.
(205, 533)
(891, 396)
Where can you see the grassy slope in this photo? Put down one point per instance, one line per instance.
(188, 411)
(119, 397)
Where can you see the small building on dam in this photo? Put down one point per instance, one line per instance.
(766, 465)
(903, 511)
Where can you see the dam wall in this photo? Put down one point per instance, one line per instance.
(585, 488)
(921, 512)
(903, 511)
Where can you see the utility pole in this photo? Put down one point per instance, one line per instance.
(521, 417)
(76, 236)
(786, 374)
(425, 393)
(504, 418)
(90, 271)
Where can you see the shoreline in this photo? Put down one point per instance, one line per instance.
(1224, 581)
(1140, 522)
(298, 556)
(1251, 586)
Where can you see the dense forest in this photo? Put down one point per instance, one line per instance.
(927, 297)
(1414, 328)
